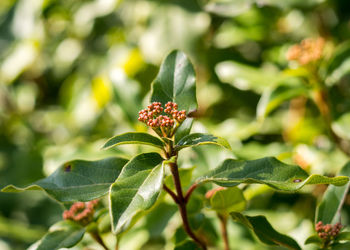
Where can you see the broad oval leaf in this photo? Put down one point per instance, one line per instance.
(78, 180)
(269, 171)
(228, 200)
(196, 139)
(264, 231)
(136, 189)
(328, 211)
(176, 82)
(64, 234)
(134, 138)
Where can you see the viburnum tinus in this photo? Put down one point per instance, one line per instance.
(164, 121)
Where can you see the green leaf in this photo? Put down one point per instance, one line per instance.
(313, 239)
(269, 171)
(187, 245)
(136, 189)
(328, 211)
(134, 138)
(176, 82)
(343, 236)
(196, 139)
(264, 231)
(64, 234)
(341, 126)
(78, 180)
(228, 200)
(273, 98)
(339, 65)
(245, 77)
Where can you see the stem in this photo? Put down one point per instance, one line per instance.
(172, 194)
(182, 205)
(223, 224)
(98, 239)
(190, 190)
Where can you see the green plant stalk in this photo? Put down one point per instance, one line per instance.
(224, 234)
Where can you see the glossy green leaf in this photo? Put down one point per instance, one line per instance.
(136, 189)
(341, 246)
(64, 234)
(264, 231)
(328, 211)
(313, 239)
(78, 180)
(134, 138)
(228, 200)
(176, 82)
(341, 126)
(273, 98)
(196, 139)
(269, 171)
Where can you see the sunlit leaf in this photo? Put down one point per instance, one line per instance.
(328, 211)
(134, 138)
(228, 8)
(246, 77)
(176, 82)
(269, 171)
(78, 180)
(196, 139)
(264, 231)
(136, 189)
(339, 64)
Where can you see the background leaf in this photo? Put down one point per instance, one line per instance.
(176, 82)
(136, 189)
(269, 171)
(271, 99)
(196, 139)
(265, 232)
(328, 211)
(64, 234)
(134, 138)
(78, 180)
(228, 200)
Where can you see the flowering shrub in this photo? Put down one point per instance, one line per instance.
(136, 186)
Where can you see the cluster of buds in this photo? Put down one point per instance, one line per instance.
(328, 232)
(309, 50)
(153, 117)
(81, 212)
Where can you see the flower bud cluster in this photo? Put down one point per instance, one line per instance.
(328, 232)
(81, 212)
(153, 117)
(309, 50)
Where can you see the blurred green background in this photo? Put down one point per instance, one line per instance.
(73, 73)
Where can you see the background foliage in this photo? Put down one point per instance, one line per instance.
(73, 73)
